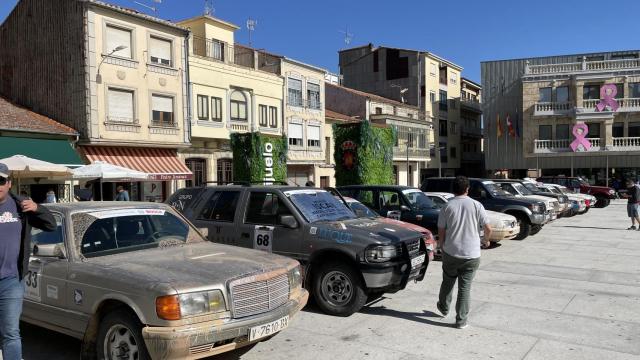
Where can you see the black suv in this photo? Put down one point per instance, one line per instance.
(346, 259)
(398, 202)
(530, 213)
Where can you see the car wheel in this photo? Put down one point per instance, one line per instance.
(535, 229)
(120, 338)
(338, 289)
(525, 226)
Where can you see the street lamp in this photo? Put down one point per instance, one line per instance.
(408, 174)
(118, 48)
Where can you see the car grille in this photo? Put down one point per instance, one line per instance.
(413, 246)
(251, 298)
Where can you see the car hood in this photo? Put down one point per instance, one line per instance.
(189, 266)
(497, 216)
(403, 224)
(547, 200)
(600, 188)
(371, 229)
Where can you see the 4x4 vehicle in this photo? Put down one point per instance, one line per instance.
(397, 202)
(603, 194)
(137, 281)
(529, 212)
(563, 200)
(518, 189)
(346, 259)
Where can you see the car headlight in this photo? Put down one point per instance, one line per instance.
(295, 278)
(507, 223)
(176, 307)
(380, 253)
(611, 191)
(535, 208)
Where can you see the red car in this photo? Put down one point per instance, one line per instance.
(363, 211)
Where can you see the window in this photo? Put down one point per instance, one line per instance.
(544, 132)
(216, 109)
(634, 129)
(389, 201)
(443, 75)
(121, 105)
(594, 130)
(265, 209)
(324, 182)
(118, 37)
(162, 109)
(39, 237)
(221, 206)
(591, 92)
(434, 69)
(452, 103)
(618, 130)
(562, 94)
(395, 174)
(160, 51)
(313, 136)
(273, 117)
(562, 132)
(453, 152)
(378, 110)
(238, 106)
(294, 97)
(295, 134)
(327, 150)
(634, 90)
(203, 107)
(198, 168)
(544, 94)
(453, 128)
(453, 78)
(432, 97)
(443, 128)
(217, 49)
(263, 112)
(313, 95)
(620, 91)
(443, 100)
(225, 170)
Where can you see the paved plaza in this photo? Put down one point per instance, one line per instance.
(570, 292)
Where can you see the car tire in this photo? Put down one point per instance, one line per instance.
(602, 202)
(338, 289)
(525, 226)
(124, 325)
(535, 229)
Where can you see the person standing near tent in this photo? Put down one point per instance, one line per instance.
(17, 216)
(122, 195)
(51, 196)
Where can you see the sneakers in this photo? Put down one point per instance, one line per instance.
(462, 325)
(632, 227)
(441, 309)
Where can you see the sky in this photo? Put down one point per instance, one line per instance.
(465, 32)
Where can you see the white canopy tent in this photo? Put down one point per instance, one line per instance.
(107, 172)
(25, 167)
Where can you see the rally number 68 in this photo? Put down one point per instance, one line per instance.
(262, 240)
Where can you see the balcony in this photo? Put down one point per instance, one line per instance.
(239, 55)
(626, 144)
(401, 152)
(559, 146)
(552, 108)
(472, 156)
(626, 105)
(471, 131)
(471, 104)
(583, 66)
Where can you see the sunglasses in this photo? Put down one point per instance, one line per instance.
(4, 180)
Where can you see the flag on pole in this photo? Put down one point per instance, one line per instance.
(499, 127)
(512, 131)
(517, 124)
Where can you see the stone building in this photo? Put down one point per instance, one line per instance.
(472, 157)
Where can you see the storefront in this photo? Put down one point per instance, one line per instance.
(162, 165)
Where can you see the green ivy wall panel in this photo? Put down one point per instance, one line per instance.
(259, 158)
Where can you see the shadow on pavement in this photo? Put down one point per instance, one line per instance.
(591, 227)
(420, 317)
(42, 344)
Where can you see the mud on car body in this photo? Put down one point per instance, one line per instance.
(137, 281)
(346, 259)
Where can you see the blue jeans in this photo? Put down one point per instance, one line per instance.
(11, 296)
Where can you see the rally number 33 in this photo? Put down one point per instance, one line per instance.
(31, 279)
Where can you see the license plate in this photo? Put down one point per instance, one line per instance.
(417, 261)
(261, 331)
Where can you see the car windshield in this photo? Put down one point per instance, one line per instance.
(531, 187)
(565, 190)
(107, 232)
(495, 189)
(440, 202)
(418, 200)
(319, 205)
(522, 189)
(362, 211)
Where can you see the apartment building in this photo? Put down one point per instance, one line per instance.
(418, 78)
(234, 88)
(411, 151)
(580, 114)
(472, 157)
(115, 75)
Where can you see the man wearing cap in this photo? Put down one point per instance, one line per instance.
(17, 216)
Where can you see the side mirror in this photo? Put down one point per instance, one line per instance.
(204, 231)
(288, 221)
(404, 208)
(49, 250)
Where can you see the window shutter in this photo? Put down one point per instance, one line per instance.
(162, 103)
(160, 49)
(313, 87)
(118, 37)
(295, 84)
(295, 131)
(313, 132)
(120, 105)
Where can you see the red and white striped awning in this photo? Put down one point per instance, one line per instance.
(160, 164)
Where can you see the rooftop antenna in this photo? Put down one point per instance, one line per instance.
(251, 26)
(208, 8)
(152, 8)
(347, 36)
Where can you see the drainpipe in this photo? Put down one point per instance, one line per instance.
(188, 86)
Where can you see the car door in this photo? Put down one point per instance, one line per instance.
(217, 214)
(389, 203)
(45, 280)
(261, 228)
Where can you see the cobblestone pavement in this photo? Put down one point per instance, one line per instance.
(570, 292)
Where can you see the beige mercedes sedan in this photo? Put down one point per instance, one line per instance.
(138, 281)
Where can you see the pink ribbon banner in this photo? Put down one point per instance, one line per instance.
(608, 94)
(581, 143)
